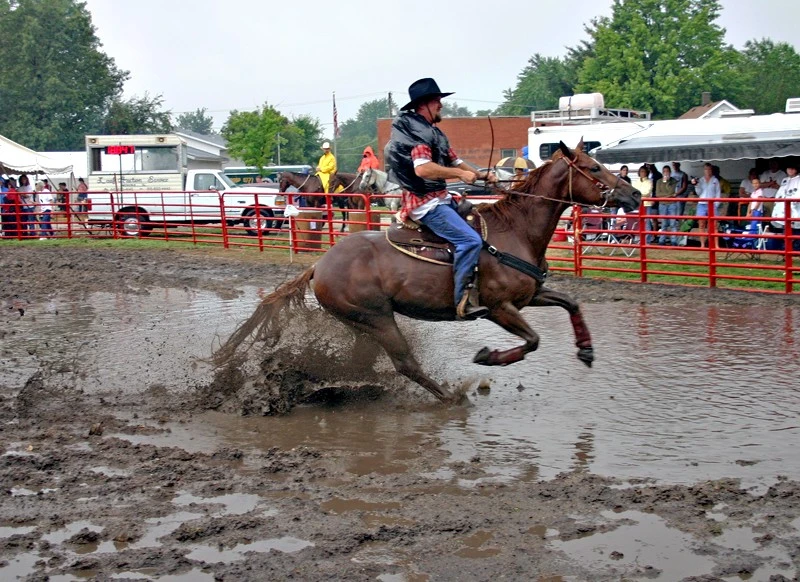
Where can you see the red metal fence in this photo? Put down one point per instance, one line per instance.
(588, 242)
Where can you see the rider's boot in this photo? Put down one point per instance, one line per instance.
(469, 308)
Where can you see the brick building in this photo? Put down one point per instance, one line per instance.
(471, 137)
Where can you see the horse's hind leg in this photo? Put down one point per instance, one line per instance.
(383, 329)
(583, 340)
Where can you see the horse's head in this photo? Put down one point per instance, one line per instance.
(367, 183)
(283, 181)
(590, 182)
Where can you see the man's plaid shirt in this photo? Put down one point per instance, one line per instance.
(422, 153)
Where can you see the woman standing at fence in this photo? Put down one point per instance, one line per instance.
(707, 189)
(644, 184)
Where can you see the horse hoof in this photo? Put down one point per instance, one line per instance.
(586, 355)
(482, 357)
(462, 401)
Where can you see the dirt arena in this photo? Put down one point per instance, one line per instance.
(102, 483)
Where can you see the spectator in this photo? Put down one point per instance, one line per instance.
(681, 187)
(520, 167)
(368, 160)
(623, 174)
(789, 188)
(326, 167)
(62, 196)
(28, 208)
(46, 206)
(771, 179)
(11, 211)
(645, 185)
(746, 190)
(665, 188)
(83, 197)
(755, 206)
(707, 189)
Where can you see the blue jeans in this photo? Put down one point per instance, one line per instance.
(445, 222)
(651, 223)
(46, 224)
(670, 209)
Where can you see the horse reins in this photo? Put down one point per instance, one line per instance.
(605, 190)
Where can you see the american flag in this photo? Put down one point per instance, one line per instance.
(336, 132)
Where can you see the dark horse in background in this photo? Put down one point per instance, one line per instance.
(363, 281)
(310, 184)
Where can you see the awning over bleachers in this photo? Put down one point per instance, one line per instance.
(720, 147)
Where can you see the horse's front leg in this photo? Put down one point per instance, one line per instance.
(510, 319)
(583, 340)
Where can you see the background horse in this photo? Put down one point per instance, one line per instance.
(305, 183)
(377, 181)
(363, 281)
(349, 185)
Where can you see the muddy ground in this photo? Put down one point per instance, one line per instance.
(403, 526)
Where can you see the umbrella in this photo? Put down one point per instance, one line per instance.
(512, 162)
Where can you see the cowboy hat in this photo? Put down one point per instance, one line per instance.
(420, 90)
(326, 145)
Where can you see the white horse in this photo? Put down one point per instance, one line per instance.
(378, 182)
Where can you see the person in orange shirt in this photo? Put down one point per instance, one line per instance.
(368, 160)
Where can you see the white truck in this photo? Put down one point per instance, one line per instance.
(138, 182)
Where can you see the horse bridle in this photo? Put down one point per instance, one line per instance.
(605, 191)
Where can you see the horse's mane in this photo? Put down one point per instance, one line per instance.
(507, 209)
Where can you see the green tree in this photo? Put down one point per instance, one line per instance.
(137, 115)
(659, 56)
(56, 84)
(253, 136)
(453, 109)
(540, 84)
(302, 144)
(358, 133)
(770, 73)
(198, 121)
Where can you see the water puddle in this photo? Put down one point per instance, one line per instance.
(647, 544)
(214, 554)
(644, 545)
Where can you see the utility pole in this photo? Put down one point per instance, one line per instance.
(391, 107)
(279, 149)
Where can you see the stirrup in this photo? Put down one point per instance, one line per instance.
(468, 308)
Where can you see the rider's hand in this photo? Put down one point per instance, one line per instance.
(490, 177)
(468, 176)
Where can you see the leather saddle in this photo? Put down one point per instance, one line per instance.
(418, 241)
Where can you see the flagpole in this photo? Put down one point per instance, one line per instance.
(335, 125)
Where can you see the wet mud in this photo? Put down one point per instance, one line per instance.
(124, 456)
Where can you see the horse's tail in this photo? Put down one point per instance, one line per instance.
(264, 320)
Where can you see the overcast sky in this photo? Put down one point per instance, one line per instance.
(239, 54)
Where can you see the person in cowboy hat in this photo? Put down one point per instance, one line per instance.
(326, 166)
(420, 159)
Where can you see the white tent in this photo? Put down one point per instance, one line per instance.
(17, 159)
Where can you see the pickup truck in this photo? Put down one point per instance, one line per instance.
(145, 202)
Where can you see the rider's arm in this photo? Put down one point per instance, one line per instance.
(426, 168)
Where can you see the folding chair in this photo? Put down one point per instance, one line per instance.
(595, 222)
(624, 234)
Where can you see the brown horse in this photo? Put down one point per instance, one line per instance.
(349, 183)
(305, 183)
(363, 281)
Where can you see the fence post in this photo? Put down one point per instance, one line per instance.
(577, 252)
(712, 242)
(224, 223)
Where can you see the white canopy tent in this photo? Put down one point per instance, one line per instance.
(17, 159)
